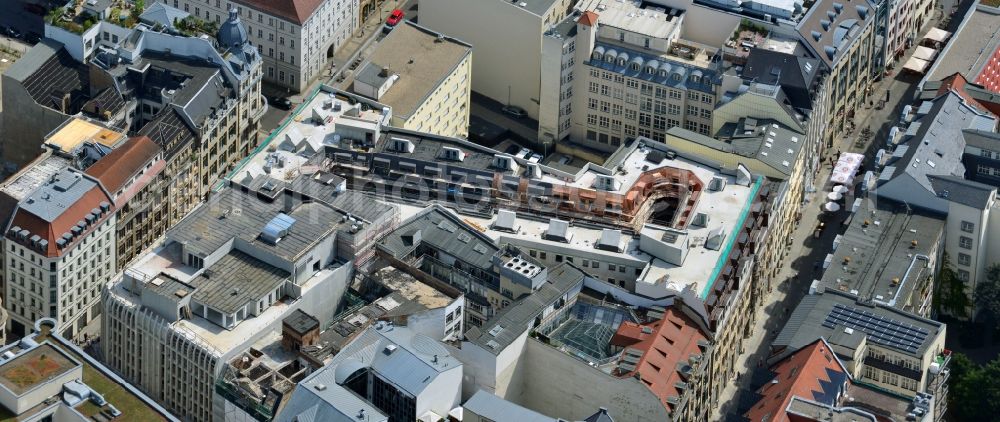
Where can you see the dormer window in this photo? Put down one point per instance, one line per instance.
(696, 79)
(621, 62)
(634, 66)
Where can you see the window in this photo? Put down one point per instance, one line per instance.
(559, 258)
(964, 259)
(533, 253)
(591, 119)
(963, 275)
(592, 103)
(692, 110)
(673, 109)
(611, 267)
(594, 87)
(675, 94)
(965, 242)
(968, 226)
(541, 255)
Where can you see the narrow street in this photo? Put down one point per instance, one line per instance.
(800, 269)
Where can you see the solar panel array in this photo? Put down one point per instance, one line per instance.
(882, 330)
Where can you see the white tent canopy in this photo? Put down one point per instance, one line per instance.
(916, 65)
(925, 53)
(847, 166)
(937, 34)
(832, 206)
(840, 189)
(834, 196)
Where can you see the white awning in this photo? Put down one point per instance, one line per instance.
(846, 167)
(916, 65)
(925, 53)
(937, 34)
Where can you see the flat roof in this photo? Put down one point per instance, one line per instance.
(655, 21)
(725, 210)
(34, 367)
(34, 175)
(167, 260)
(538, 7)
(235, 280)
(76, 131)
(299, 132)
(411, 288)
(877, 255)
(232, 213)
(970, 48)
(421, 58)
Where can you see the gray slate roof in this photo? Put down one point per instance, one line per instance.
(518, 317)
(490, 406)
(769, 142)
(839, 32)
(793, 73)
(443, 230)
(982, 139)
(56, 196)
(162, 14)
(806, 323)
(934, 145)
(966, 192)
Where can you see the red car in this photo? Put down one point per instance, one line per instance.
(394, 18)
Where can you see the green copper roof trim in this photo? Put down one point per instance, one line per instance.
(732, 237)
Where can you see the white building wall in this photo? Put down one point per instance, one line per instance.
(507, 45)
(293, 55)
(553, 384)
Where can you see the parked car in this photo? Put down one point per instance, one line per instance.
(280, 102)
(394, 18)
(514, 110)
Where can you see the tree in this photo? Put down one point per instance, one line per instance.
(988, 292)
(951, 291)
(974, 391)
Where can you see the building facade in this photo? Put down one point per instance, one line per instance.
(844, 38)
(133, 175)
(210, 293)
(61, 248)
(295, 38)
(630, 82)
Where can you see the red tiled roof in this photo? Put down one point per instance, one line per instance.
(798, 375)
(588, 18)
(296, 11)
(118, 167)
(666, 344)
(64, 223)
